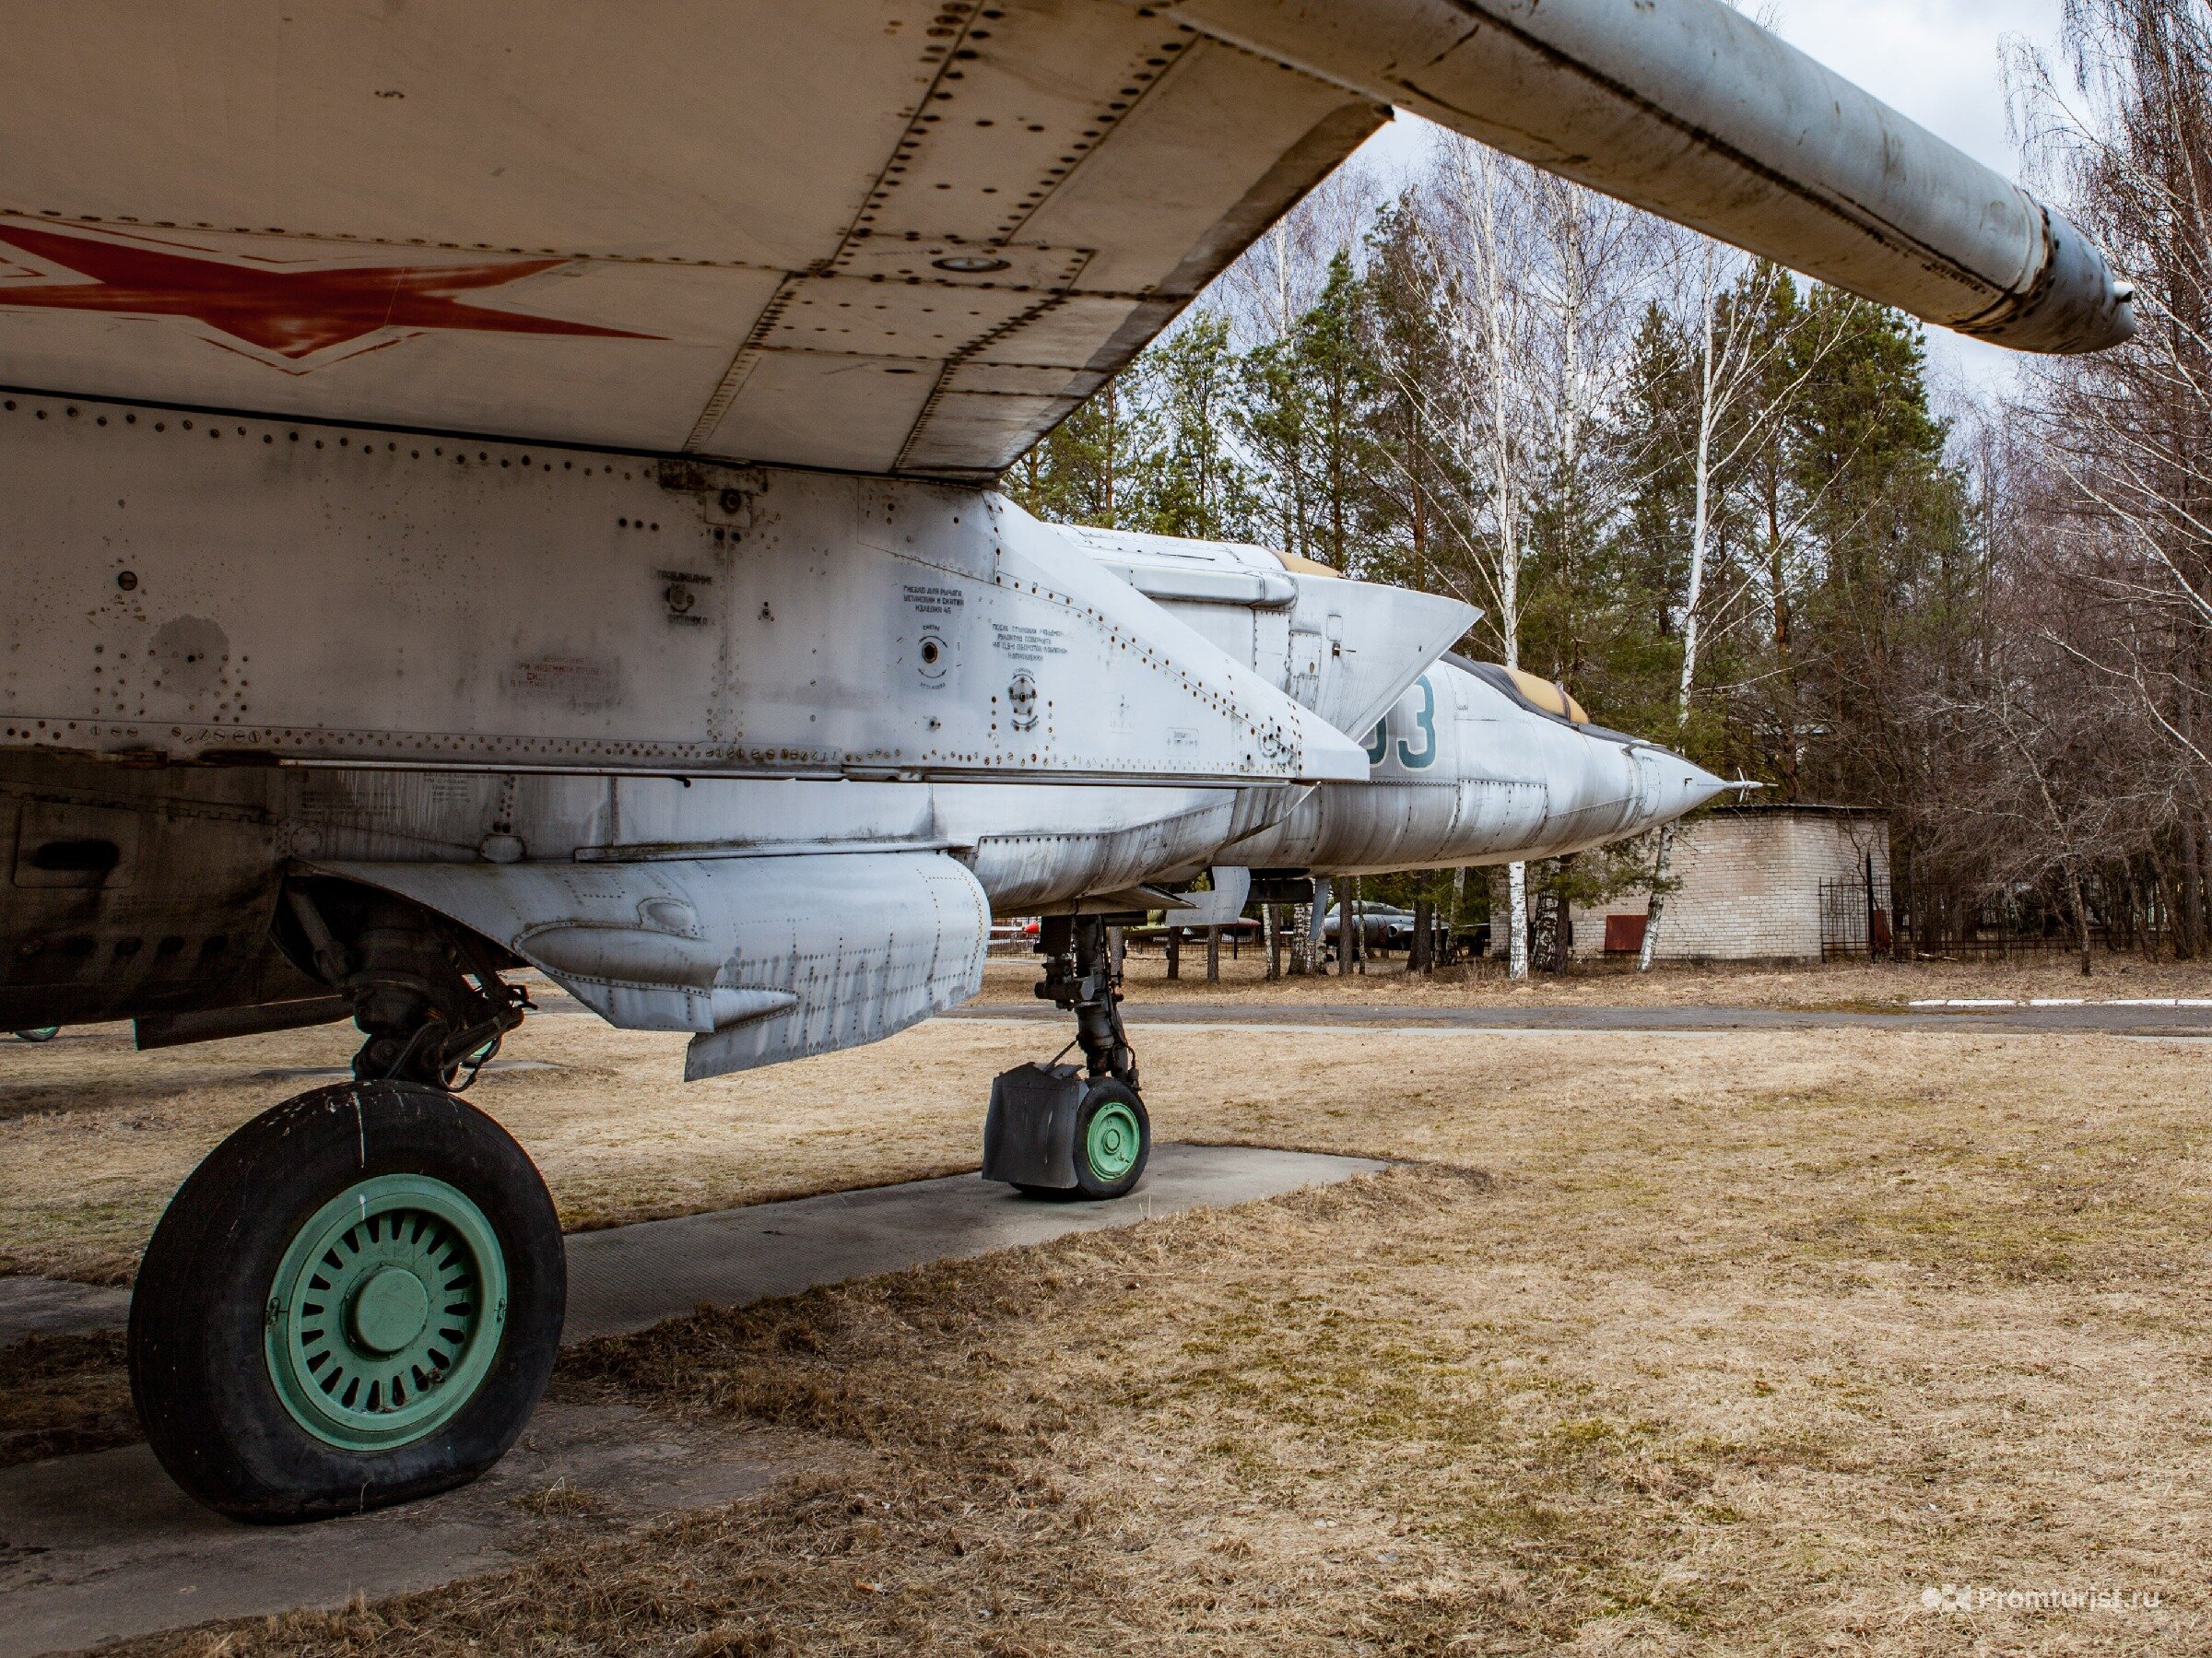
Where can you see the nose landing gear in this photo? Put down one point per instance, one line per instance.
(1057, 1131)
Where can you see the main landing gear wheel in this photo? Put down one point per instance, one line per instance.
(1113, 1138)
(355, 1300)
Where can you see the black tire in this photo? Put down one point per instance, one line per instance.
(1095, 1184)
(202, 1376)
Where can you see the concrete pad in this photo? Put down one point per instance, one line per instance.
(629, 1277)
(51, 1307)
(102, 1547)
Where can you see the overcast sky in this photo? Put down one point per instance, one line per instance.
(1936, 60)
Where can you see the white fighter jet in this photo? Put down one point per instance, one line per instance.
(492, 486)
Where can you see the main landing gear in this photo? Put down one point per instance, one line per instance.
(356, 1298)
(1052, 1130)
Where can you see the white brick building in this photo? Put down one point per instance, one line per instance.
(1751, 878)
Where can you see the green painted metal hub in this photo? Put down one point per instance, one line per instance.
(390, 1309)
(1112, 1140)
(386, 1313)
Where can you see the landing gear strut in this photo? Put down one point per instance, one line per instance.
(426, 995)
(1079, 975)
(1055, 1132)
(356, 1298)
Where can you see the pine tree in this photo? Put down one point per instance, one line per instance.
(1191, 481)
(1305, 413)
(1085, 470)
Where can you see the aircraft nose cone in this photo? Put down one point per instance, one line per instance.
(1675, 785)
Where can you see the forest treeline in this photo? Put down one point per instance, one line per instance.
(1725, 507)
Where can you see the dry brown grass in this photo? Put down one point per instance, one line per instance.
(1834, 985)
(1712, 1344)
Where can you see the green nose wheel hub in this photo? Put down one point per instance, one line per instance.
(386, 1313)
(1112, 1141)
(390, 1309)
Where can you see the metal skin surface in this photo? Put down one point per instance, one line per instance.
(878, 236)
(1462, 769)
(882, 237)
(1463, 773)
(174, 745)
(1337, 647)
(1691, 110)
(279, 591)
(765, 959)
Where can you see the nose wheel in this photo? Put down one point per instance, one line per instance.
(1057, 1131)
(1113, 1138)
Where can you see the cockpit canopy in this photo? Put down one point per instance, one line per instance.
(1530, 691)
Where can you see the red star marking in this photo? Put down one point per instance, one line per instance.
(291, 311)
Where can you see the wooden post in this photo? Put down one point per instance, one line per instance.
(1174, 952)
(1271, 919)
(1213, 955)
(1419, 959)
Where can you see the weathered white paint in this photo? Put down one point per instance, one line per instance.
(764, 958)
(1346, 650)
(1691, 110)
(185, 584)
(1463, 773)
(878, 236)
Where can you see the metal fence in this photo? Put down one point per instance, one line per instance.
(1856, 919)
(1865, 919)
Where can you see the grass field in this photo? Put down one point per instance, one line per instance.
(1721, 1343)
(1871, 987)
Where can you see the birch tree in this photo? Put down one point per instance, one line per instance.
(1740, 397)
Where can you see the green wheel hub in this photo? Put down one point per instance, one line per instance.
(1112, 1140)
(386, 1313)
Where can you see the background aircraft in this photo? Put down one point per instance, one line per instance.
(492, 484)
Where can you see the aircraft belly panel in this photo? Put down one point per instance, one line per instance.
(192, 585)
(1028, 869)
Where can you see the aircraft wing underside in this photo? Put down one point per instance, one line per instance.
(877, 235)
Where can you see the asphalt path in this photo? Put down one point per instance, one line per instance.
(2089, 1017)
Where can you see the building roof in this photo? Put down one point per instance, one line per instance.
(1755, 808)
